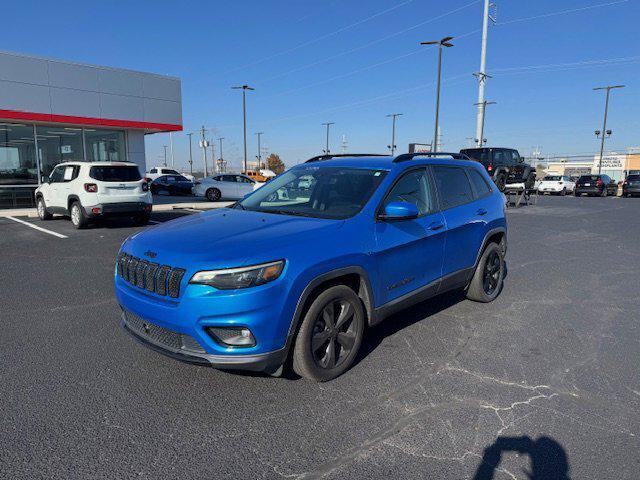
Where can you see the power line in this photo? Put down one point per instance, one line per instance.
(562, 12)
(321, 37)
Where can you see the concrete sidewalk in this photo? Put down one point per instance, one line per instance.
(162, 207)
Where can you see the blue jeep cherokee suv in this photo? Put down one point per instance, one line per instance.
(301, 267)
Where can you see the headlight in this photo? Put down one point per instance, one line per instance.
(243, 277)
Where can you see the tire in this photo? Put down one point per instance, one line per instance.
(501, 182)
(530, 182)
(320, 323)
(142, 219)
(488, 278)
(563, 192)
(42, 210)
(213, 194)
(576, 194)
(78, 217)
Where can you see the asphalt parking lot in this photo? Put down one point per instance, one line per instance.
(544, 381)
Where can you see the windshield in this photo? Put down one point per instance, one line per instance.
(552, 178)
(321, 192)
(115, 173)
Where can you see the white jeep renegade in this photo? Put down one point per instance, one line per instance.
(86, 191)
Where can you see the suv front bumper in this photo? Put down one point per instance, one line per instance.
(185, 348)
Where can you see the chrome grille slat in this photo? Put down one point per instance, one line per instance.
(162, 280)
(173, 283)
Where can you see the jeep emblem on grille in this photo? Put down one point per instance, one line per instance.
(151, 254)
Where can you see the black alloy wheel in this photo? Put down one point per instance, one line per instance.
(333, 334)
(492, 273)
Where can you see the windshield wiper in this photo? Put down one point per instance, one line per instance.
(288, 212)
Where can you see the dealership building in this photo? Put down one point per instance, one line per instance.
(53, 111)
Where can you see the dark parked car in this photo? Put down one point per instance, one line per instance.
(504, 165)
(601, 185)
(172, 185)
(631, 186)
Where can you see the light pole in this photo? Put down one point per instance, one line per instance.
(484, 103)
(259, 134)
(393, 132)
(608, 88)
(244, 89)
(171, 149)
(165, 155)
(445, 42)
(190, 154)
(203, 145)
(327, 124)
(221, 157)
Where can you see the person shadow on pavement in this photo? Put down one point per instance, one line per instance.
(548, 459)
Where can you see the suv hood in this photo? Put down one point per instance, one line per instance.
(226, 237)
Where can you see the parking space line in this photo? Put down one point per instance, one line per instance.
(55, 234)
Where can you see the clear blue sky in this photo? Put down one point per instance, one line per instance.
(352, 62)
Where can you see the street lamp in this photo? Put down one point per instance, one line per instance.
(328, 124)
(190, 154)
(445, 42)
(244, 89)
(605, 132)
(392, 147)
(259, 157)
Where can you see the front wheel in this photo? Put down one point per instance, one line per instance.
(213, 194)
(563, 192)
(42, 210)
(488, 278)
(330, 335)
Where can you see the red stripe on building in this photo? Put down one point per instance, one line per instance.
(96, 122)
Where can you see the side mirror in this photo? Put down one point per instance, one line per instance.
(399, 211)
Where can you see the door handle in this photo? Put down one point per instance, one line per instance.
(435, 225)
(481, 211)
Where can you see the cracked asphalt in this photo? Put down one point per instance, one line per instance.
(544, 382)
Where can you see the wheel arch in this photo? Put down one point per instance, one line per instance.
(71, 199)
(495, 235)
(354, 277)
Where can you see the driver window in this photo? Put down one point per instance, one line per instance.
(413, 188)
(56, 175)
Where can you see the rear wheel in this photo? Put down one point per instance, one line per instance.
(78, 217)
(213, 194)
(563, 192)
(530, 181)
(330, 335)
(42, 210)
(488, 278)
(501, 182)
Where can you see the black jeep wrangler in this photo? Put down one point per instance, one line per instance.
(505, 166)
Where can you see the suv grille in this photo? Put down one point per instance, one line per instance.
(163, 280)
(162, 336)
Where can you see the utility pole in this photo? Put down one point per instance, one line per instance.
(482, 74)
(212, 144)
(165, 155)
(259, 134)
(203, 145)
(221, 157)
(445, 42)
(393, 147)
(190, 154)
(484, 109)
(328, 124)
(244, 89)
(173, 163)
(608, 88)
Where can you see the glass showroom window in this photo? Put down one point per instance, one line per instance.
(104, 145)
(17, 155)
(58, 144)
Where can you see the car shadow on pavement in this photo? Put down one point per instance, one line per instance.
(548, 458)
(405, 318)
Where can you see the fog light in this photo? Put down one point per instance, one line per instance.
(232, 336)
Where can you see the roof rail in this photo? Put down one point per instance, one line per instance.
(404, 157)
(338, 155)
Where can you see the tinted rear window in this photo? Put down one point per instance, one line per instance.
(453, 186)
(120, 173)
(588, 178)
(552, 178)
(479, 154)
(633, 178)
